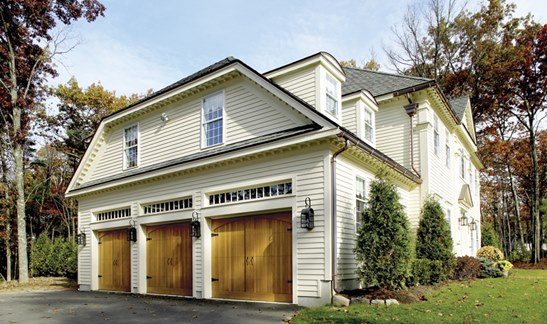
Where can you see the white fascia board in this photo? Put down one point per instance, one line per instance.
(316, 135)
(322, 58)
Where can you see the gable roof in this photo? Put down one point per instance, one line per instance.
(459, 105)
(380, 83)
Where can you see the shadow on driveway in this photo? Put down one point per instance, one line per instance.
(99, 307)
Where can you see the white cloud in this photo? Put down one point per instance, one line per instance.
(117, 65)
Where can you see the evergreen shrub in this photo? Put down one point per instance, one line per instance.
(433, 237)
(382, 246)
(488, 269)
(489, 236)
(425, 272)
(53, 259)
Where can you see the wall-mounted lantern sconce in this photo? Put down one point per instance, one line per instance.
(306, 216)
(80, 238)
(164, 117)
(132, 231)
(195, 226)
(473, 225)
(463, 221)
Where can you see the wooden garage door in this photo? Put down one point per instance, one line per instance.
(114, 261)
(169, 259)
(252, 258)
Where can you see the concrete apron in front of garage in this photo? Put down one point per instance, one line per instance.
(98, 307)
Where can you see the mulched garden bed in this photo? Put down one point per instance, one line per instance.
(541, 265)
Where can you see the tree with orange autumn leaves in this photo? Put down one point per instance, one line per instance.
(500, 61)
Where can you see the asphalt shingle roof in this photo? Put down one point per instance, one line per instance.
(458, 106)
(378, 83)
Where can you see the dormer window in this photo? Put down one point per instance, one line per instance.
(332, 96)
(368, 125)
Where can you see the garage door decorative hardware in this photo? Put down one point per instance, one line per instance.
(307, 215)
(132, 231)
(195, 225)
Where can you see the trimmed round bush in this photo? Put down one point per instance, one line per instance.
(491, 253)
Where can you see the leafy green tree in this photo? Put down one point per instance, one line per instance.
(383, 241)
(433, 237)
(28, 43)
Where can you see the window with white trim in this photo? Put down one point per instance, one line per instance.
(447, 149)
(462, 166)
(213, 119)
(448, 215)
(331, 103)
(476, 181)
(252, 193)
(368, 125)
(436, 139)
(131, 146)
(113, 214)
(360, 201)
(167, 206)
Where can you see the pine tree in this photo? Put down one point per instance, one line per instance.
(383, 242)
(433, 238)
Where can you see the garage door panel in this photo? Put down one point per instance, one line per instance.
(252, 258)
(169, 259)
(114, 261)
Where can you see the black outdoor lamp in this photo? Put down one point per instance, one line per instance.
(306, 216)
(132, 231)
(195, 225)
(473, 225)
(80, 238)
(463, 220)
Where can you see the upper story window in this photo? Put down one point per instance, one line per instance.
(462, 166)
(213, 119)
(436, 138)
(369, 125)
(131, 146)
(332, 96)
(360, 201)
(447, 149)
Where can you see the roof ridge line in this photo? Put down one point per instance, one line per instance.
(391, 74)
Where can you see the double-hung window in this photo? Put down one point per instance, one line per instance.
(436, 134)
(360, 201)
(462, 166)
(332, 96)
(369, 125)
(447, 148)
(131, 146)
(213, 119)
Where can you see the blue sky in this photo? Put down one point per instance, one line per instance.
(142, 45)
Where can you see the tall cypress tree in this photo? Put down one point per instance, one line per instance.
(383, 242)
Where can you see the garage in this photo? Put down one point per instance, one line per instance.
(169, 259)
(114, 261)
(252, 257)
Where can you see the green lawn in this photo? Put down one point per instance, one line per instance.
(520, 298)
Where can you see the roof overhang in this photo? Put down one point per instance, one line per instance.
(323, 58)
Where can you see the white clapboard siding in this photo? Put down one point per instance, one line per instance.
(250, 112)
(84, 252)
(349, 116)
(305, 166)
(392, 132)
(302, 84)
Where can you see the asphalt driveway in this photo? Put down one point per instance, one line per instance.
(99, 307)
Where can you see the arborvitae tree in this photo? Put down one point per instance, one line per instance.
(433, 238)
(489, 236)
(383, 242)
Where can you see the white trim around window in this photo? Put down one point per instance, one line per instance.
(360, 200)
(332, 97)
(436, 135)
(131, 140)
(213, 114)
